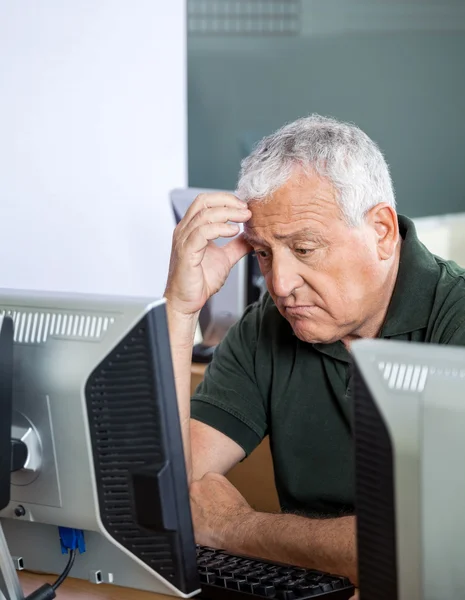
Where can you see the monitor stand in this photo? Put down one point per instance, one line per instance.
(10, 588)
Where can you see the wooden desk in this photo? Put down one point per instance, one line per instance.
(254, 477)
(78, 589)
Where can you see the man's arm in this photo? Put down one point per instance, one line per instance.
(205, 448)
(323, 544)
(198, 269)
(182, 332)
(223, 519)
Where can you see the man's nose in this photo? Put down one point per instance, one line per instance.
(285, 278)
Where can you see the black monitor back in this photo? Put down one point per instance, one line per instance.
(138, 454)
(374, 497)
(6, 401)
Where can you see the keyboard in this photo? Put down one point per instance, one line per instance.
(227, 577)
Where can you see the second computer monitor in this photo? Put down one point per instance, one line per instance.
(410, 475)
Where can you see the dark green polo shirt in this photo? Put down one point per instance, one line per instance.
(264, 380)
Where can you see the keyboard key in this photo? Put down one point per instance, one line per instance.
(326, 583)
(230, 564)
(287, 570)
(314, 576)
(222, 571)
(255, 578)
(248, 562)
(266, 590)
(207, 577)
(241, 571)
(307, 590)
(248, 587)
(285, 595)
(344, 581)
(273, 569)
(276, 580)
(233, 584)
(222, 581)
(213, 564)
(289, 585)
(257, 572)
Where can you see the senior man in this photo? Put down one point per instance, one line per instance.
(318, 208)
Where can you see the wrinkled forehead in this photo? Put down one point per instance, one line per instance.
(302, 190)
(300, 205)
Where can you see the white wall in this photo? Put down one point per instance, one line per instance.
(92, 138)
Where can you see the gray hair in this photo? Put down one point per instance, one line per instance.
(340, 152)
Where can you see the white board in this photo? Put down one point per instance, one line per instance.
(92, 138)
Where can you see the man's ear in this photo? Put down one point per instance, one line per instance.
(383, 219)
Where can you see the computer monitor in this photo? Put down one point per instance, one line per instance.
(6, 402)
(94, 400)
(409, 413)
(243, 286)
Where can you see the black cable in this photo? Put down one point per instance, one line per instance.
(64, 575)
(47, 591)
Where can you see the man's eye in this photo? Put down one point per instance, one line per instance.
(262, 253)
(303, 251)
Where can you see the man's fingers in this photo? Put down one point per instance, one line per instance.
(211, 200)
(200, 237)
(237, 248)
(217, 214)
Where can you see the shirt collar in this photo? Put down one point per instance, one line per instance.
(412, 301)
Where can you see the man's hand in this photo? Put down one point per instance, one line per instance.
(218, 510)
(198, 267)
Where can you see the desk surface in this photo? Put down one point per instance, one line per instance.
(77, 589)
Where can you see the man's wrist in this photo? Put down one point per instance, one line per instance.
(240, 535)
(181, 325)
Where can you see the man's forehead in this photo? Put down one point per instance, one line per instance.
(303, 206)
(285, 234)
(296, 197)
(289, 216)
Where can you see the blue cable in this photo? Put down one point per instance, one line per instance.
(71, 539)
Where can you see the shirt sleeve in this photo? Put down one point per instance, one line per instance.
(229, 399)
